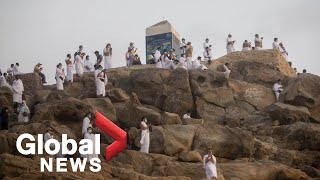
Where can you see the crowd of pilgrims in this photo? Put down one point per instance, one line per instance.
(80, 63)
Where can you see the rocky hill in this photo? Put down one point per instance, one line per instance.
(252, 135)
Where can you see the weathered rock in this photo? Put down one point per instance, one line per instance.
(170, 118)
(298, 136)
(310, 171)
(103, 106)
(165, 89)
(8, 142)
(189, 121)
(5, 97)
(231, 143)
(208, 111)
(304, 91)
(117, 95)
(288, 114)
(190, 156)
(263, 67)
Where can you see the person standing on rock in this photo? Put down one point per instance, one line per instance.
(99, 78)
(277, 88)
(88, 66)
(90, 135)
(210, 163)
(48, 135)
(69, 62)
(246, 46)
(17, 88)
(258, 42)
(145, 135)
(10, 69)
(59, 77)
(206, 44)
(207, 55)
(183, 46)
(226, 70)
(107, 53)
(189, 51)
(15, 70)
(79, 64)
(99, 59)
(86, 123)
(24, 112)
(230, 43)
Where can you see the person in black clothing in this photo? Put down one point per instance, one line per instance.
(4, 118)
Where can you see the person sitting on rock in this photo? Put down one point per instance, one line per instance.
(136, 60)
(226, 70)
(277, 88)
(197, 64)
(24, 112)
(210, 163)
(37, 69)
(3, 81)
(275, 44)
(145, 135)
(246, 46)
(187, 115)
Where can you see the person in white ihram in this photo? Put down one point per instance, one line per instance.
(183, 46)
(10, 69)
(59, 77)
(210, 163)
(182, 62)
(3, 81)
(86, 122)
(246, 46)
(206, 44)
(70, 68)
(48, 135)
(258, 42)
(230, 43)
(275, 44)
(107, 53)
(189, 51)
(277, 88)
(17, 88)
(197, 65)
(15, 69)
(207, 55)
(90, 135)
(88, 66)
(23, 112)
(226, 70)
(78, 63)
(145, 135)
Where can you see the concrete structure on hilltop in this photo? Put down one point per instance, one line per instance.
(162, 35)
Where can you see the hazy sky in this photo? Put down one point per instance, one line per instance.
(45, 31)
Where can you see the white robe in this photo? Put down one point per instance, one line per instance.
(207, 55)
(85, 124)
(15, 70)
(17, 88)
(205, 45)
(211, 169)
(182, 47)
(145, 138)
(182, 63)
(275, 45)
(227, 71)
(88, 66)
(94, 155)
(159, 64)
(3, 82)
(189, 63)
(276, 87)
(246, 49)
(258, 40)
(100, 85)
(230, 47)
(157, 55)
(186, 116)
(21, 117)
(79, 65)
(167, 63)
(9, 70)
(283, 53)
(70, 69)
(59, 82)
(197, 65)
(107, 62)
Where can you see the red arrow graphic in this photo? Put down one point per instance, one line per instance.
(115, 132)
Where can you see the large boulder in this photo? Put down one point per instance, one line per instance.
(5, 97)
(31, 82)
(288, 114)
(263, 67)
(167, 90)
(304, 91)
(230, 143)
(103, 106)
